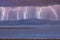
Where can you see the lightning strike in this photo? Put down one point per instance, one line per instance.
(38, 13)
(18, 9)
(54, 12)
(3, 13)
(25, 13)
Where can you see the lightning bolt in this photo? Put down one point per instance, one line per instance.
(38, 13)
(54, 12)
(3, 13)
(25, 13)
(7, 14)
(18, 9)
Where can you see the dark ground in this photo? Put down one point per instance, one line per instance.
(36, 32)
(30, 29)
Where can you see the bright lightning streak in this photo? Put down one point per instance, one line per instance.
(18, 9)
(3, 13)
(0, 13)
(25, 13)
(54, 12)
(7, 15)
(38, 13)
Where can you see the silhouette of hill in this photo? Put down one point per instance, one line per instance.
(30, 22)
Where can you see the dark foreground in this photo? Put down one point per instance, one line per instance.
(33, 32)
(30, 29)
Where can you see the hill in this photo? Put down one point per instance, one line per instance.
(30, 22)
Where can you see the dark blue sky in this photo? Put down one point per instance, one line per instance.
(28, 2)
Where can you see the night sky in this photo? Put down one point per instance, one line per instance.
(28, 2)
